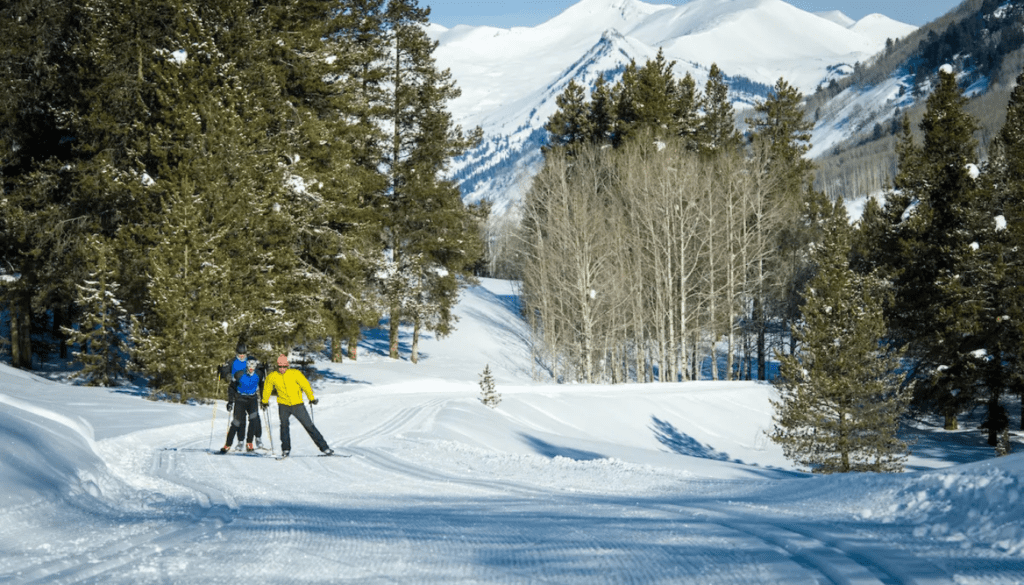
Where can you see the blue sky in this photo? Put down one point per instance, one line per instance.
(509, 13)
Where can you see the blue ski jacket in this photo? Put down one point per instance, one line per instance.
(248, 385)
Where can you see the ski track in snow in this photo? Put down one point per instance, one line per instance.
(454, 528)
(560, 485)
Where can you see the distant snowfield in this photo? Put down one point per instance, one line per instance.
(759, 39)
(669, 483)
(510, 78)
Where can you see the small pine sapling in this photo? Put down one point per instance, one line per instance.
(488, 395)
(1004, 447)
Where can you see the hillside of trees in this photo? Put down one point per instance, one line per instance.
(648, 235)
(982, 39)
(656, 236)
(178, 176)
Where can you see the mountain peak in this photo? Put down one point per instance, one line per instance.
(604, 14)
(511, 78)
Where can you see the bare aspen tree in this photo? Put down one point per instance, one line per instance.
(637, 260)
(570, 257)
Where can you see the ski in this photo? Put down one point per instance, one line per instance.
(253, 453)
(345, 455)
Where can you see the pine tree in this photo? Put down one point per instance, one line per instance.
(780, 137)
(647, 103)
(488, 395)
(570, 126)
(779, 125)
(840, 401)
(425, 226)
(601, 114)
(687, 111)
(103, 324)
(1004, 179)
(211, 241)
(717, 131)
(936, 217)
(40, 218)
(331, 61)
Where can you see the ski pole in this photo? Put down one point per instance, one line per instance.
(270, 432)
(214, 421)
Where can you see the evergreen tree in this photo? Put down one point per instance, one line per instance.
(717, 131)
(211, 242)
(488, 394)
(570, 126)
(937, 217)
(361, 37)
(602, 112)
(425, 227)
(779, 124)
(333, 66)
(646, 101)
(626, 114)
(104, 322)
(840, 401)
(41, 84)
(780, 137)
(1004, 178)
(687, 111)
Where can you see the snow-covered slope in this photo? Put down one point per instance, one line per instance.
(573, 484)
(510, 77)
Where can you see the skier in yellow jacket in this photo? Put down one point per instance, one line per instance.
(290, 386)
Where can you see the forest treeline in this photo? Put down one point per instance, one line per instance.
(655, 236)
(982, 39)
(649, 235)
(181, 175)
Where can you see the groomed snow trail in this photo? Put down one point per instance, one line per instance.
(387, 515)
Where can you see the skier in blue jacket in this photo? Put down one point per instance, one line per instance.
(243, 399)
(236, 366)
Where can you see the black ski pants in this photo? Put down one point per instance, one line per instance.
(246, 409)
(301, 415)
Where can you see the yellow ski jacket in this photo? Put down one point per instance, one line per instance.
(290, 386)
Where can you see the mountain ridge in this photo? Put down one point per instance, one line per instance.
(510, 77)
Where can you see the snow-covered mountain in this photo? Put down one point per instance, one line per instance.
(511, 77)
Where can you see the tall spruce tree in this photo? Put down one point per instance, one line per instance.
(103, 325)
(646, 103)
(602, 112)
(717, 131)
(780, 137)
(209, 273)
(427, 253)
(192, 120)
(937, 217)
(41, 216)
(570, 127)
(330, 57)
(687, 111)
(840, 400)
(1004, 178)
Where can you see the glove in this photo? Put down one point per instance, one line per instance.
(230, 406)
(314, 401)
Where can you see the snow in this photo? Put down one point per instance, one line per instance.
(510, 78)
(667, 483)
